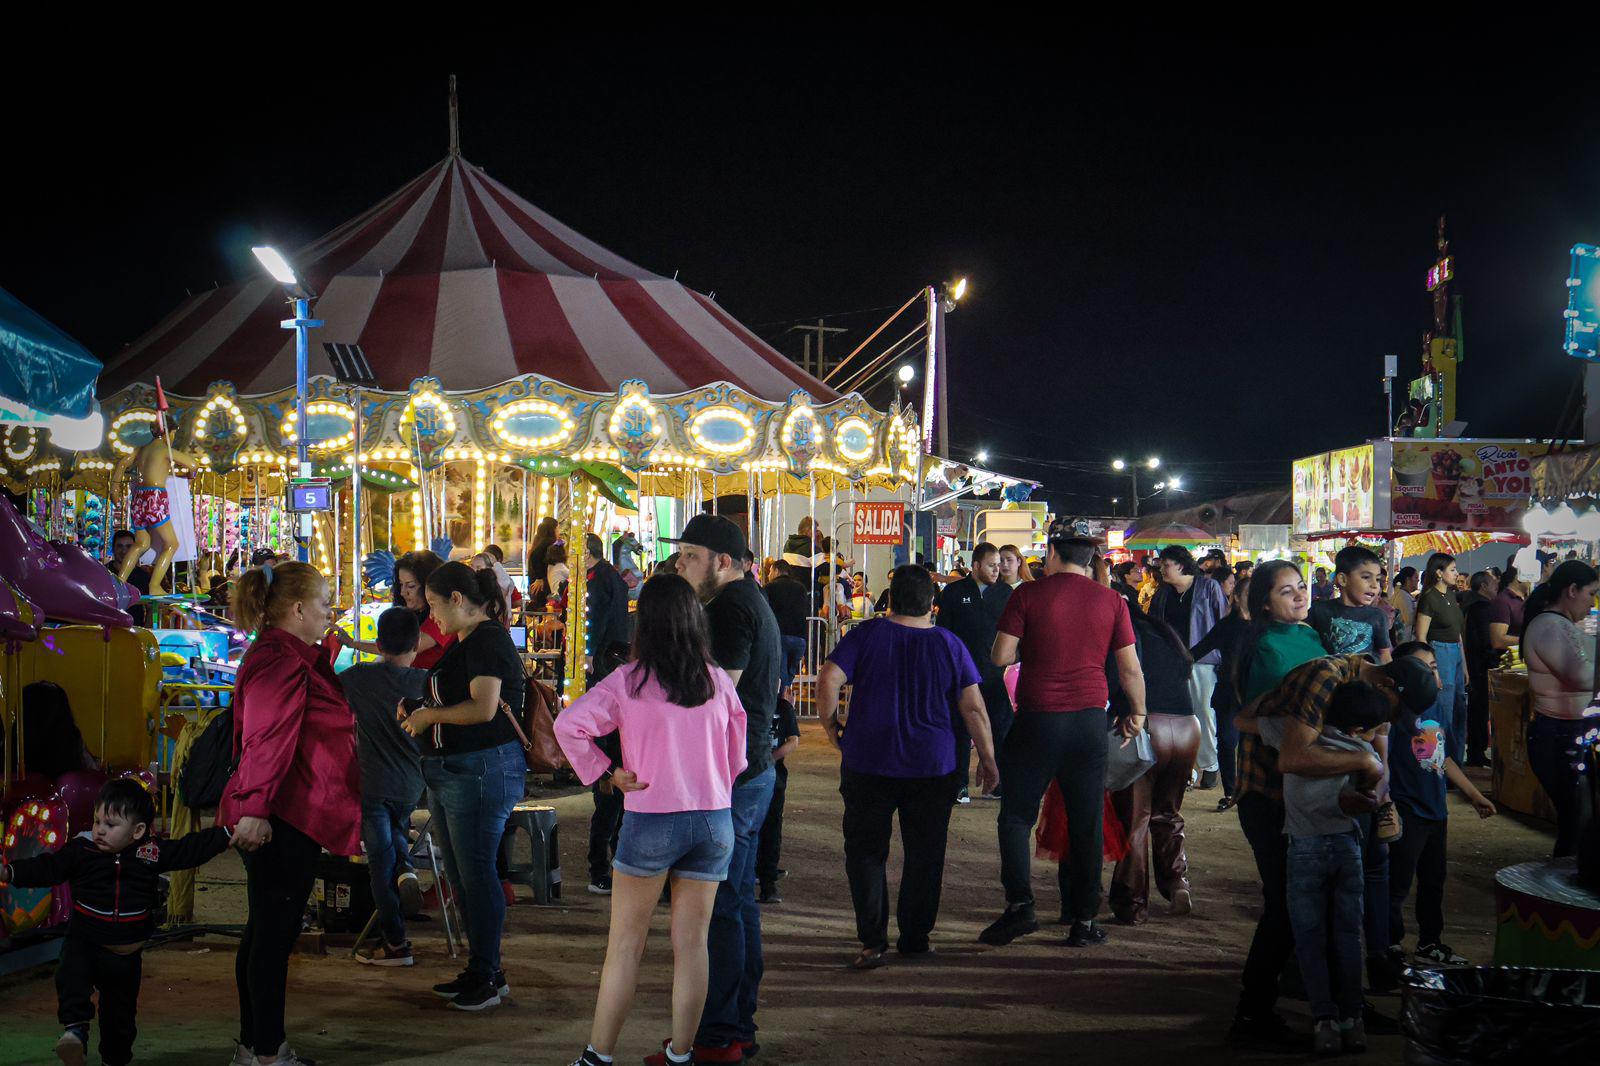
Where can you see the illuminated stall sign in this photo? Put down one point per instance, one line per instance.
(880, 523)
(1461, 484)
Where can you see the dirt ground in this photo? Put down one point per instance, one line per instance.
(1165, 989)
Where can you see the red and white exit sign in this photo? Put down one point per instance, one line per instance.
(880, 523)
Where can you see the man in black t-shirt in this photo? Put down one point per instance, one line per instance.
(790, 603)
(745, 642)
(970, 608)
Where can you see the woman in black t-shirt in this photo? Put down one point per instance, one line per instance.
(472, 762)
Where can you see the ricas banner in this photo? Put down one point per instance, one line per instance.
(1461, 484)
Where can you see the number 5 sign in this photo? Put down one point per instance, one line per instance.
(880, 523)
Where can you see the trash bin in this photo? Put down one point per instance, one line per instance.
(1500, 1014)
(343, 894)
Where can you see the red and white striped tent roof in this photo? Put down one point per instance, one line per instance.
(458, 277)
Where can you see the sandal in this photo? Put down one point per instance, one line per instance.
(868, 959)
(1224, 804)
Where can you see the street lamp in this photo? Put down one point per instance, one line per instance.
(1132, 470)
(302, 323)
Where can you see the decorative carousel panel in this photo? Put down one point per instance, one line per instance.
(799, 434)
(428, 424)
(532, 425)
(723, 430)
(218, 429)
(636, 425)
(133, 429)
(21, 444)
(330, 426)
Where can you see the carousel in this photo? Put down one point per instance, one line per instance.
(522, 372)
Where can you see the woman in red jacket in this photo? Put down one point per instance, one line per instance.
(296, 789)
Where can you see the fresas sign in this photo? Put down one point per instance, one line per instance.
(880, 523)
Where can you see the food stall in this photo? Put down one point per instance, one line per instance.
(1409, 497)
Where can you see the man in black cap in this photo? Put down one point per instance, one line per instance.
(745, 643)
(1302, 698)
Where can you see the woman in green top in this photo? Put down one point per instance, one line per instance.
(1280, 639)
(1440, 622)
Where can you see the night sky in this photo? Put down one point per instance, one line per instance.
(1201, 252)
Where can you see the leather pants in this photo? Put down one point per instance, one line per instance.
(1151, 810)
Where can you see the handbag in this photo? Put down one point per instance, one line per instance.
(1127, 762)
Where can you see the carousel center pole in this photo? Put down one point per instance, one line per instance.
(355, 516)
(577, 590)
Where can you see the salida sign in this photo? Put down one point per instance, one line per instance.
(880, 523)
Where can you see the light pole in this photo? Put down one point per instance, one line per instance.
(302, 323)
(1132, 469)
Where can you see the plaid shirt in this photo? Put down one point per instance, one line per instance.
(1303, 694)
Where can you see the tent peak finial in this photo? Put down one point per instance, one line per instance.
(455, 130)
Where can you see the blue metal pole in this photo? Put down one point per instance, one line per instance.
(302, 358)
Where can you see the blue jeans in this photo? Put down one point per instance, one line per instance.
(1450, 709)
(733, 944)
(794, 656)
(383, 833)
(471, 796)
(1325, 890)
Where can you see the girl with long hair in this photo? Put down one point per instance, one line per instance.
(1560, 662)
(539, 559)
(1014, 569)
(1440, 623)
(472, 762)
(683, 744)
(1192, 604)
(1228, 637)
(295, 790)
(1151, 809)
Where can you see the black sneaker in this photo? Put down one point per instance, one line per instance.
(1015, 922)
(464, 982)
(601, 886)
(1209, 779)
(479, 997)
(589, 1058)
(1378, 1024)
(1268, 1032)
(1085, 935)
(500, 984)
(769, 893)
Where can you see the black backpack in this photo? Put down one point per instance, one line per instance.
(211, 763)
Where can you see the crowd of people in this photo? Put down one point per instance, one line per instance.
(1334, 717)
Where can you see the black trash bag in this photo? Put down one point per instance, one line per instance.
(1500, 1014)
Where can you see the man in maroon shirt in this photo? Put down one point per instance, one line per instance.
(1065, 629)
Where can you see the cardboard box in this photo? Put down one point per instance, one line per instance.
(1515, 786)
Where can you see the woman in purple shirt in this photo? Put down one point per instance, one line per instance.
(683, 744)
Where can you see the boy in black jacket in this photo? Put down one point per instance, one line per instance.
(115, 874)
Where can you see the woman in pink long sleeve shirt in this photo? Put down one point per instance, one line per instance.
(683, 743)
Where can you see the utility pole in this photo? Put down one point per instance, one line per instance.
(819, 367)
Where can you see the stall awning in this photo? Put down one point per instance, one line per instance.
(1567, 473)
(47, 378)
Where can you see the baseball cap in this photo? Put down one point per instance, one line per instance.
(714, 533)
(1415, 682)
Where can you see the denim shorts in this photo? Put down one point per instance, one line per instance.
(693, 844)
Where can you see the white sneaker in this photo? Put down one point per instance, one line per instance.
(242, 1056)
(286, 1057)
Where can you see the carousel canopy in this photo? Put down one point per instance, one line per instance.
(455, 276)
